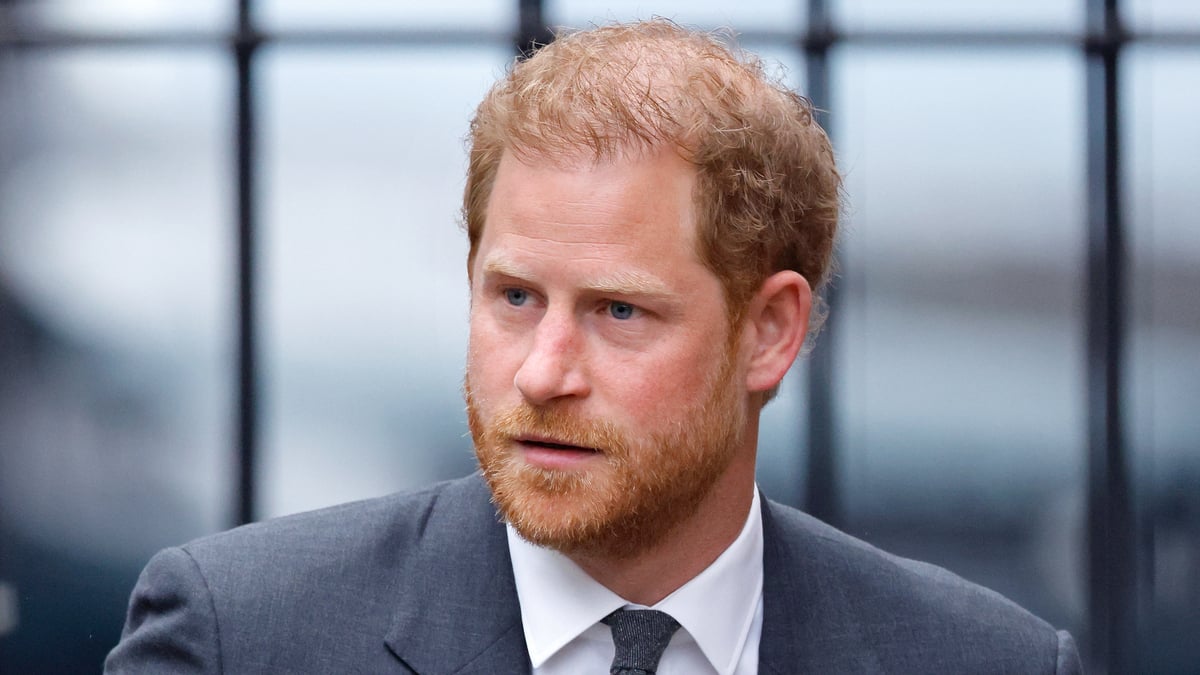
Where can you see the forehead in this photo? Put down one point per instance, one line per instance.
(643, 198)
(627, 223)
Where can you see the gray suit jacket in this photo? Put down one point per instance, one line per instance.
(422, 583)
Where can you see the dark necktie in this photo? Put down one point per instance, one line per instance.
(641, 637)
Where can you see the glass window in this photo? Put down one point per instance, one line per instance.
(120, 16)
(1162, 105)
(951, 14)
(115, 333)
(1162, 15)
(498, 15)
(960, 374)
(364, 269)
(785, 15)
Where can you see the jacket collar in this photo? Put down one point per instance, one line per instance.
(458, 610)
(809, 624)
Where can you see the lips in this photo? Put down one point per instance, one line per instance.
(551, 444)
(552, 454)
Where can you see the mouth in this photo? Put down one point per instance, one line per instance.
(552, 444)
(554, 455)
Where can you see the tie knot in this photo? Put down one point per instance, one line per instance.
(641, 637)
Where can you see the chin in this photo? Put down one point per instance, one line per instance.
(565, 510)
(599, 513)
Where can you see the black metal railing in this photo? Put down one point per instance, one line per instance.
(1113, 582)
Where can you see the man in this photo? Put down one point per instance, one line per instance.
(648, 216)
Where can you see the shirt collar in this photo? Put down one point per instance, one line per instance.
(559, 601)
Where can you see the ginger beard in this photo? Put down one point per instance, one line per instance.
(642, 486)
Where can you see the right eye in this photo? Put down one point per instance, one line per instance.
(516, 296)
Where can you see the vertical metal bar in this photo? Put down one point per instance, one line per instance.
(244, 46)
(821, 497)
(1111, 534)
(532, 30)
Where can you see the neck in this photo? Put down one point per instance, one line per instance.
(689, 548)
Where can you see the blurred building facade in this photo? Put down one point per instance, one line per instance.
(232, 287)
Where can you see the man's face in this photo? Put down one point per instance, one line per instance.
(602, 383)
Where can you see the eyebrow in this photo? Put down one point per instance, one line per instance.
(625, 282)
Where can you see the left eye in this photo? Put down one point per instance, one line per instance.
(620, 310)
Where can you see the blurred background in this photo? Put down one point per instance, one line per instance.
(232, 287)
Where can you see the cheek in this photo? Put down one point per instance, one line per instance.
(490, 356)
(658, 388)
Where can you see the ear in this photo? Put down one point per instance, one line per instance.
(775, 325)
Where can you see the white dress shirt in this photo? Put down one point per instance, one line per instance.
(719, 611)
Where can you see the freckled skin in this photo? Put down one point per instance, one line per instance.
(643, 359)
(567, 226)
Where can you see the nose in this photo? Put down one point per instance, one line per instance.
(553, 368)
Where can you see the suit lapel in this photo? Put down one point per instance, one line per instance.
(459, 611)
(458, 602)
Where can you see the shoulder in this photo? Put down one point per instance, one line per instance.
(366, 547)
(901, 615)
(325, 584)
(339, 532)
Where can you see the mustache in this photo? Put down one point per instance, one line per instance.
(561, 426)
